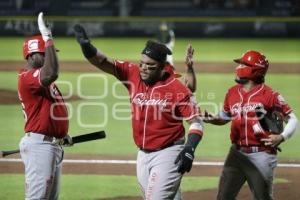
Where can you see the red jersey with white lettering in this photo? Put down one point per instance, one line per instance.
(44, 108)
(241, 105)
(158, 110)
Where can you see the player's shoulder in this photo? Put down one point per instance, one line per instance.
(23, 73)
(267, 90)
(270, 92)
(178, 85)
(126, 64)
(126, 67)
(234, 89)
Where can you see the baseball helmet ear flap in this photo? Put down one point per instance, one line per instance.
(32, 45)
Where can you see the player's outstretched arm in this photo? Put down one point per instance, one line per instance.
(190, 77)
(49, 71)
(220, 119)
(94, 56)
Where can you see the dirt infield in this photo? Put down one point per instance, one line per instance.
(83, 66)
(287, 191)
(8, 97)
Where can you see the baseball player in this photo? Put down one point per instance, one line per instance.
(159, 104)
(46, 117)
(252, 156)
(167, 37)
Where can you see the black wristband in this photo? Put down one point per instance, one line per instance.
(88, 50)
(193, 140)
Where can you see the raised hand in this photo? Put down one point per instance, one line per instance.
(189, 56)
(80, 34)
(44, 28)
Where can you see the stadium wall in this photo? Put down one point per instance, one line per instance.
(147, 26)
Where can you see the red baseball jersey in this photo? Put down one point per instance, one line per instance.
(44, 108)
(241, 105)
(158, 110)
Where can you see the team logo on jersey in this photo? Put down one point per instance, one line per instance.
(238, 109)
(141, 100)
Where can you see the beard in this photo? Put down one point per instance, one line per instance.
(152, 78)
(148, 81)
(241, 81)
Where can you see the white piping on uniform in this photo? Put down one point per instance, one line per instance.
(144, 134)
(146, 114)
(241, 97)
(115, 70)
(191, 117)
(289, 111)
(246, 130)
(21, 74)
(247, 113)
(40, 82)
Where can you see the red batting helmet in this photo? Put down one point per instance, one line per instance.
(254, 65)
(33, 44)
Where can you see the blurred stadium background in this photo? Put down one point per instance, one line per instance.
(219, 31)
(188, 18)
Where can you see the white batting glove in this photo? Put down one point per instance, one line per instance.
(44, 29)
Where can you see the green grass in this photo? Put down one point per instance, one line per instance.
(206, 50)
(211, 89)
(91, 187)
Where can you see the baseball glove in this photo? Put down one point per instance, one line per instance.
(270, 121)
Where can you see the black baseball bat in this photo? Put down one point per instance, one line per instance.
(6, 153)
(76, 139)
(87, 137)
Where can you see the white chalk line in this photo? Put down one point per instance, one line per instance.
(198, 163)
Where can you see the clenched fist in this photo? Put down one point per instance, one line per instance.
(185, 159)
